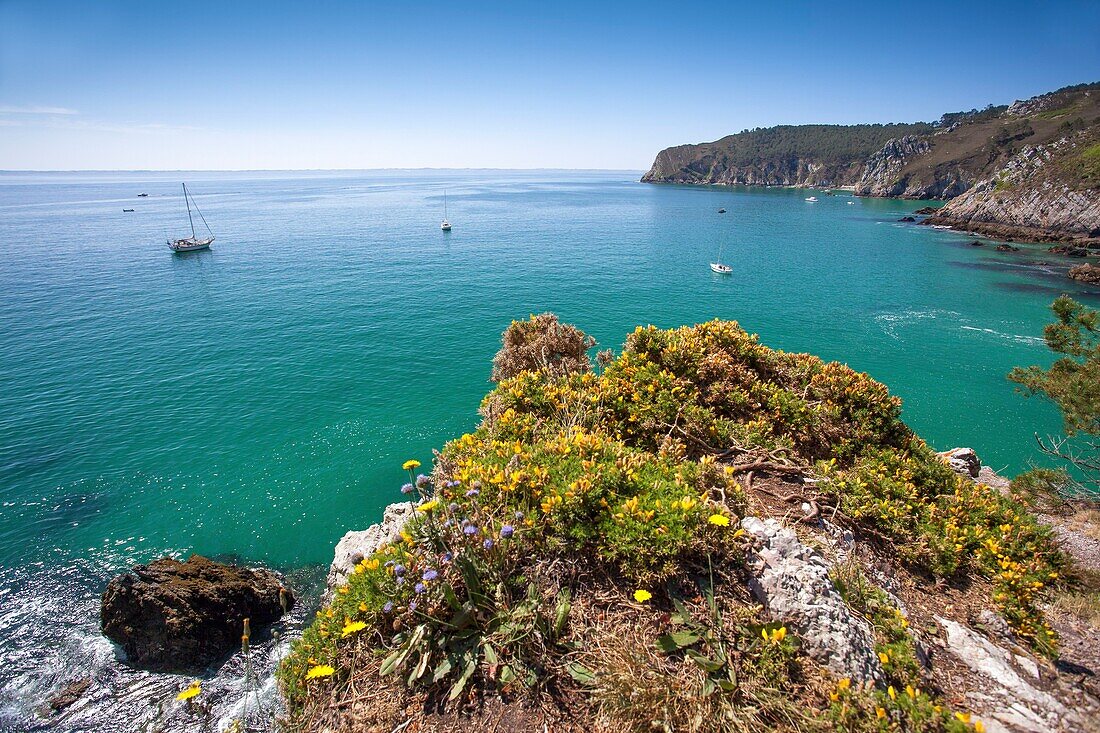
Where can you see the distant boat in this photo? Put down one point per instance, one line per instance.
(142, 195)
(850, 203)
(718, 267)
(192, 243)
(721, 211)
(127, 211)
(445, 225)
(812, 199)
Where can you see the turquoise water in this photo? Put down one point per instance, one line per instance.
(258, 399)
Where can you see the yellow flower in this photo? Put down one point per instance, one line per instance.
(884, 657)
(371, 564)
(353, 627)
(428, 506)
(410, 464)
(321, 670)
(190, 692)
(719, 519)
(890, 691)
(979, 726)
(881, 713)
(641, 596)
(778, 635)
(963, 717)
(844, 684)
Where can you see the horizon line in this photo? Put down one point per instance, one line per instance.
(299, 170)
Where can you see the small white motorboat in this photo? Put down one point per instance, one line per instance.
(812, 199)
(720, 268)
(192, 243)
(851, 203)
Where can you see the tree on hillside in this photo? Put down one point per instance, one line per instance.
(1073, 384)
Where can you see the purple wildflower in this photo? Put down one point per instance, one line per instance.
(507, 531)
(519, 515)
(388, 608)
(447, 557)
(452, 507)
(407, 489)
(430, 574)
(399, 570)
(487, 544)
(399, 582)
(422, 481)
(470, 529)
(412, 605)
(420, 587)
(472, 493)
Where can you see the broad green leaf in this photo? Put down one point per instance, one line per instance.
(669, 643)
(581, 673)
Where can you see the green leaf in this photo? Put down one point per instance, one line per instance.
(490, 654)
(581, 673)
(460, 685)
(704, 662)
(507, 674)
(677, 640)
(450, 597)
(561, 614)
(441, 670)
(420, 668)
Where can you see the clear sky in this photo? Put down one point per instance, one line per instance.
(558, 83)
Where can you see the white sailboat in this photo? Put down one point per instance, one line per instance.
(445, 225)
(718, 267)
(192, 243)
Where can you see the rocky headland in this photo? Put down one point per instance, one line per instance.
(1029, 171)
(661, 546)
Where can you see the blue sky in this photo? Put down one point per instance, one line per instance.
(236, 85)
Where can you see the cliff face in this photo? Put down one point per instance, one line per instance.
(1030, 170)
(1035, 196)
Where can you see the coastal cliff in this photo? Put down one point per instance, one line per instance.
(704, 535)
(1030, 170)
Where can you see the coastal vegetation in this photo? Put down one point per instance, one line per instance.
(581, 553)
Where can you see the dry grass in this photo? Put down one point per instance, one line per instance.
(1085, 605)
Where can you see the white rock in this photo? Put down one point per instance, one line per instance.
(1014, 701)
(792, 581)
(356, 545)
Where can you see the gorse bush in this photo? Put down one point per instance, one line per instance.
(631, 476)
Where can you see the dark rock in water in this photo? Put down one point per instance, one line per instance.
(907, 219)
(1086, 273)
(70, 694)
(977, 243)
(183, 616)
(926, 211)
(1007, 248)
(1069, 250)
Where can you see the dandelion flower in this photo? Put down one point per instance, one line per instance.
(641, 596)
(719, 519)
(410, 464)
(352, 628)
(190, 692)
(321, 670)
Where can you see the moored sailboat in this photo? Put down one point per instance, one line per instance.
(445, 225)
(192, 243)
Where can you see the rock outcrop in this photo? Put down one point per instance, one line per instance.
(1030, 198)
(184, 616)
(1086, 273)
(792, 581)
(356, 545)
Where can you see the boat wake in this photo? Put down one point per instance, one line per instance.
(894, 325)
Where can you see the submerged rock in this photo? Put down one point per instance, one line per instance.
(792, 581)
(907, 219)
(183, 616)
(1007, 248)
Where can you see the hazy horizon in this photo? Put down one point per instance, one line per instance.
(126, 86)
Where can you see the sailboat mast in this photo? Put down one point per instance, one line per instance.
(188, 211)
(444, 204)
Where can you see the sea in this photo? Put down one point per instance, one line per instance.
(255, 401)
